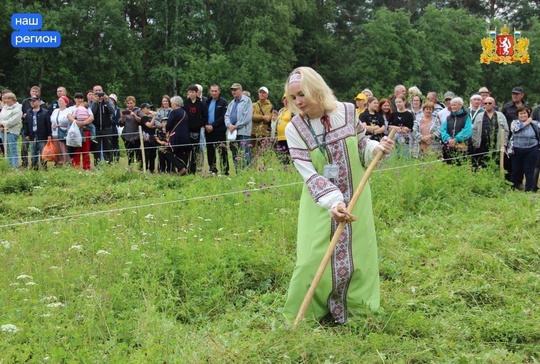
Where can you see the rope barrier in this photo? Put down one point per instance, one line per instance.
(413, 165)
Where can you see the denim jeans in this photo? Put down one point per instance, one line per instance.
(36, 147)
(12, 152)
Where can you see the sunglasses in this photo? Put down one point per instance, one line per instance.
(488, 103)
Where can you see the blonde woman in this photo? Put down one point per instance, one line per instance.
(329, 149)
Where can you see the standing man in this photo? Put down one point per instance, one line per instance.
(26, 105)
(262, 116)
(445, 113)
(475, 105)
(434, 98)
(509, 110)
(487, 129)
(215, 131)
(399, 90)
(37, 129)
(197, 118)
(239, 118)
(103, 109)
(60, 91)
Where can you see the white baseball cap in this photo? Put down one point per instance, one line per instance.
(263, 89)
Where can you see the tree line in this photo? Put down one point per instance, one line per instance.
(148, 48)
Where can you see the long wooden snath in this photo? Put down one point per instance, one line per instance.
(337, 233)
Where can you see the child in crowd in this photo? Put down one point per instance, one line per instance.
(82, 113)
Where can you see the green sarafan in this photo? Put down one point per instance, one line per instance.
(118, 266)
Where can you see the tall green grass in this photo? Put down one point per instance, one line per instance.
(119, 267)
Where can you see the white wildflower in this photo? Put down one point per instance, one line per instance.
(413, 290)
(55, 304)
(201, 239)
(54, 267)
(33, 209)
(76, 247)
(24, 276)
(14, 284)
(134, 247)
(207, 220)
(56, 232)
(37, 187)
(31, 283)
(149, 216)
(9, 328)
(46, 358)
(49, 298)
(102, 252)
(5, 244)
(129, 263)
(46, 315)
(220, 229)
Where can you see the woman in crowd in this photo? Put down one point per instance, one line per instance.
(59, 126)
(326, 130)
(403, 120)
(525, 134)
(413, 91)
(179, 141)
(416, 106)
(83, 119)
(373, 120)
(385, 108)
(163, 111)
(283, 118)
(360, 101)
(426, 133)
(456, 131)
(367, 92)
(10, 124)
(130, 120)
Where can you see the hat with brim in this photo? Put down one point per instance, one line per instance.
(235, 86)
(361, 96)
(517, 90)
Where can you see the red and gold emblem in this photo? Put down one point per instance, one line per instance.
(504, 47)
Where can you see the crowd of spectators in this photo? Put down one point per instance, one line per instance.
(179, 133)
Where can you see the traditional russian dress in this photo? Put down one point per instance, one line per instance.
(351, 280)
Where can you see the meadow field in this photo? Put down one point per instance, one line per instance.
(117, 266)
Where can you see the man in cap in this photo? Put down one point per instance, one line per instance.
(37, 129)
(25, 145)
(484, 92)
(262, 116)
(509, 110)
(239, 118)
(445, 113)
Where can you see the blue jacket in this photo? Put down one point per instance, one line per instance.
(244, 111)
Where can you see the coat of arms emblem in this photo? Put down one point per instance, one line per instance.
(504, 47)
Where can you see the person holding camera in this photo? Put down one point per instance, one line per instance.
(130, 120)
(103, 109)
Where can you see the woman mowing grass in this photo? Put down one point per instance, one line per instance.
(329, 148)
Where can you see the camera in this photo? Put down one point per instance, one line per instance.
(100, 94)
(126, 112)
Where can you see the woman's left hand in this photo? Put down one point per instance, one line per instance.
(386, 145)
